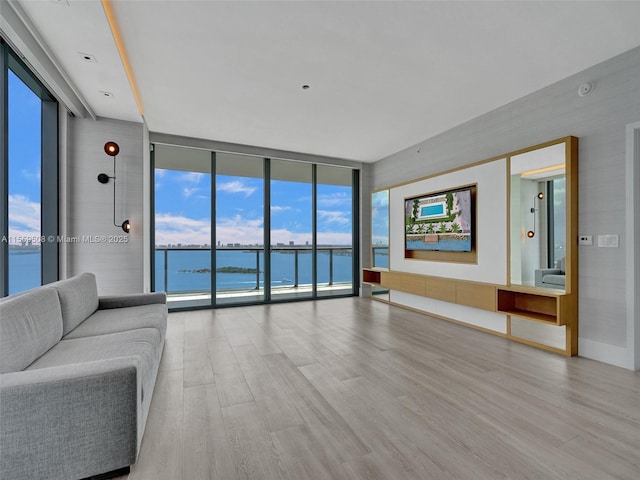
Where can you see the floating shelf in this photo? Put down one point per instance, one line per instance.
(371, 276)
(546, 307)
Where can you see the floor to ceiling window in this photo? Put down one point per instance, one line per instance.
(335, 229)
(291, 214)
(182, 184)
(303, 213)
(29, 190)
(239, 228)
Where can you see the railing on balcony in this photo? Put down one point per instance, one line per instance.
(241, 268)
(380, 256)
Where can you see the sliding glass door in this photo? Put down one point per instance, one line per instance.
(291, 215)
(182, 259)
(239, 228)
(335, 229)
(236, 229)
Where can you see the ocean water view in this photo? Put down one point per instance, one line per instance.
(189, 270)
(24, 270)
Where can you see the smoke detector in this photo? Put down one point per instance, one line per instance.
(585, 89)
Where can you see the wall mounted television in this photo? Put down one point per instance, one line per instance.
(441, 221)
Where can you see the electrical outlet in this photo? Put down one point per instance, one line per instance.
(608, 241)
(585, 240)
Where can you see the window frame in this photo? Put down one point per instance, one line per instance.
(49, 168)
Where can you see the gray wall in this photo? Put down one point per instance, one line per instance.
(89, 204)
(599, 120)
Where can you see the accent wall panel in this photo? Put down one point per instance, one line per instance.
(490, 223)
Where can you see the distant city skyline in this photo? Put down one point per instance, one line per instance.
(183, 211)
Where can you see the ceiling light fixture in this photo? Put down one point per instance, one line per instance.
(539, 172)
(305, 87)
(106, 94)
(87, 57)
(106, 6)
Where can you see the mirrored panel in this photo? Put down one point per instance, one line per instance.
(538, 217)
(380, 229)
(380, 237)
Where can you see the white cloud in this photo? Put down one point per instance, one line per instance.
(278, 209)
(334, 199)
(174, 229)
(334, 238)
(239, 230)
(31, 176)
(236, 187)
(187, 192)
(334, 217)
(24, 217)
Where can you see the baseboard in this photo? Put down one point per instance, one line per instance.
(603, 352)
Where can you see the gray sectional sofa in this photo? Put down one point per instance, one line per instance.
(552, 277)
(77, 374)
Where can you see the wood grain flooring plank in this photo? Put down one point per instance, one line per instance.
(294, 350)
(252, 448)
(173, 352)
(314, 409)
(373, 428)
(272, 403)
(197, 366)
(230, 382)
(160, 454)
(206, 450)
(308, 456)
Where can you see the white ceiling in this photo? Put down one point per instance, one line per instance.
(383, 75)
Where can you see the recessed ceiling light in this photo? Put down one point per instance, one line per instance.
(305, 87)
(106, 94)
(87, 57)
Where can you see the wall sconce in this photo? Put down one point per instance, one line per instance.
(112, 149)
(531, 233)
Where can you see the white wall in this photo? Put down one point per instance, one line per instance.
(599, 120)
(89, 204)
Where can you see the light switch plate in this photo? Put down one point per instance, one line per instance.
(608, 241)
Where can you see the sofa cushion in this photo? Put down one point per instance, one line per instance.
(554, 280)
(30, 324)
(145, 345)
(78, 299)
(122, 319)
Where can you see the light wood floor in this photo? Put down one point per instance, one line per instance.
(357, 389)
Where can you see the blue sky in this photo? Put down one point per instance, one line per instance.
(183, 210)
(24, 160)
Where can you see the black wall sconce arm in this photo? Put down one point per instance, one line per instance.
(112, 149)
(532, 233)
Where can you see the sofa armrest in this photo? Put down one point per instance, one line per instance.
(131, 300)
(72, 421)
(540, 273)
